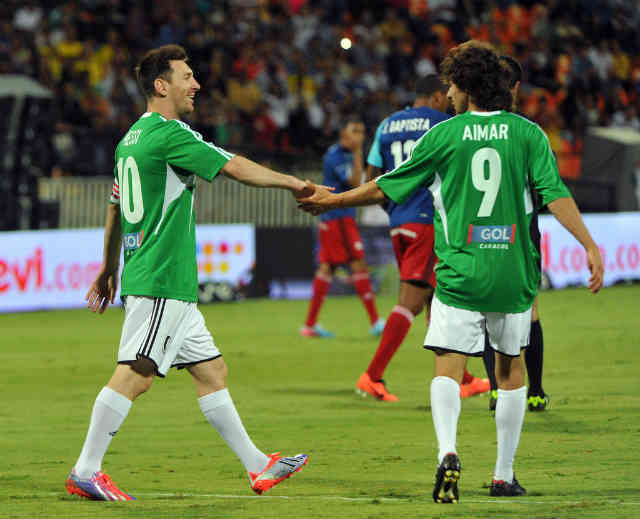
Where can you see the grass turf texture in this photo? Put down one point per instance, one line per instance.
(367, 458)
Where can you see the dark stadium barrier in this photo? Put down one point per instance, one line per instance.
(286, 262)
(610, 176)
(25, 146)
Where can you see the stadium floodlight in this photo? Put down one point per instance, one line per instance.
(345, 43)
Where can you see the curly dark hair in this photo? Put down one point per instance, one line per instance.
(155, 64)
(475, 68)
(514, 69)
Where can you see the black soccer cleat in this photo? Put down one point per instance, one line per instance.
(537, 402)
(447, 477)
(504, 489)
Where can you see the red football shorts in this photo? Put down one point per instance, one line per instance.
(339, 241)
(413, 245)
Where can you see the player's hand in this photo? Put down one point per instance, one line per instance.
(307, 189)
(102, 291)
(319, 202)
(304, 189)
(594, 261)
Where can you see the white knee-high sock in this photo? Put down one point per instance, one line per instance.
(509, 418)
(445, 410)
(109, 411)
(220, 412)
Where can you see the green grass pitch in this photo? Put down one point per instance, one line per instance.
(367, 458)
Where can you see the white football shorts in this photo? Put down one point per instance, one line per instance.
(458, 330)
(171, 333)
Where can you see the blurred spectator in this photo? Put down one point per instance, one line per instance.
(626, 118)
(277, 77)
(28, 16)
(601, 58)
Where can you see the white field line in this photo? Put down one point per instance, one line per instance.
(506, 502)
(520, 500)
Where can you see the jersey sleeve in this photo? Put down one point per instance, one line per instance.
(544, 169)
(187, 149)
(115, 192)
(418, 170)
(375, 157)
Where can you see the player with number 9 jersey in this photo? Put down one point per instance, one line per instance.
(157, 162)
(481, 181)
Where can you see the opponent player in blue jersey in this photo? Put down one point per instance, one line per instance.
(411, 232)
(338, 236)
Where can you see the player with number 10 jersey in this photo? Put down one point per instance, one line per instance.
(156, 165)
(473, 165)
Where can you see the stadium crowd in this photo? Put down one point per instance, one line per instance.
(277, 76)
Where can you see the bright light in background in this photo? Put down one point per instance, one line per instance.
(345, 43)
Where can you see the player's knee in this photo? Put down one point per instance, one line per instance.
(415, 307)
(509, 372)
(324, 269)
(146, 368)
(221, 372)
(502, 372)
(133, 378)
(211, 375)
(359, 266)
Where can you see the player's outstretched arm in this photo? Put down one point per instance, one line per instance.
(567, 213)
(373, 172)
(323, 200)
(104, 287)
(253, 174)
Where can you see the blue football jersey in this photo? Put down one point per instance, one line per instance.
(394, 141)
(337, 169)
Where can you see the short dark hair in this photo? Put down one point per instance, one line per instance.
(155, 64)
(352, 117)
(475, 68)
(514, 69)
(428, 85)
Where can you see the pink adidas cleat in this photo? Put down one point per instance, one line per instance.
(98, 487)
(278, 469)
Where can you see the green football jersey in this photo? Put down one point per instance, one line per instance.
(480, 168)
(156, 164)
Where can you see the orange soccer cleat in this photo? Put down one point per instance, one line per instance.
(367, 387)
(278, 469)
(475, 387)
(98, 487)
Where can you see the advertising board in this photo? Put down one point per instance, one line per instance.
(55, 268)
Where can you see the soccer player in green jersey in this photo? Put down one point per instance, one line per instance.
(537, 399)
(480, 167)
(151, 213)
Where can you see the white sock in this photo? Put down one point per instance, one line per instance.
(220, 412)
(109, 411)
(509, 418)
(445, 410)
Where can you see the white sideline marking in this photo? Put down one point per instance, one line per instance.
(425, 498)
(520, 500)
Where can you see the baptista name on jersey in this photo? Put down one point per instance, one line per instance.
(485, 132)
(407, 125)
